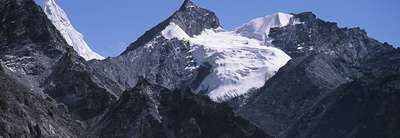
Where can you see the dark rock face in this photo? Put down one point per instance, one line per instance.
(316, 36)
(35, 54)
(365, 107)
(329, 57)
(288, 94)
(193, 19)
(23, 19)
(45, 85)
(24, 114)
(152, 111)
(159, 60)
(163, 64)
(29, 43)
(71, 83)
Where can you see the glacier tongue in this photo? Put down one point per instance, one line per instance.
(259, 28)
(71, 35)
(239, 64)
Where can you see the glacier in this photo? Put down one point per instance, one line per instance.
(239, 64)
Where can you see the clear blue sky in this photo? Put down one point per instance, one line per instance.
(110, 26)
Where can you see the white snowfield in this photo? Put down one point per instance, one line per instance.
(259, 28)
(71, 35)
(239, 64)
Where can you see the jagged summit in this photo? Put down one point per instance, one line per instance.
(188, 4)
(194, 19)
(190, 17)
(189, 49)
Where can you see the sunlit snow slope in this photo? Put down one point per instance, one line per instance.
(259, 28)
(238, 63)
(70, 34)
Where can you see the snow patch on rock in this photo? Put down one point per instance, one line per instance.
(174, 31)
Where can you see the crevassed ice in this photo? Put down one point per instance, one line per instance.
(239, 64)
(75, 39)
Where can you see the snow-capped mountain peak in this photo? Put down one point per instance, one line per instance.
(75, 39)
(238, 64)
(259, 28)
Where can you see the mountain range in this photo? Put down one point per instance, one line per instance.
(282, 75)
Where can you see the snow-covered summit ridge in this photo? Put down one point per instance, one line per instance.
(259, 28)
(239, 64)
(75, 39)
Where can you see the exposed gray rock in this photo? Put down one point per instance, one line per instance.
(315, 36)
(72, 83)
(153, 111)
(24, 114)
(160, 60)
(366, 107)
(190, 17)
(329, 57)
(29, 43)
(363, 108)
(36, 55)
(62, 87)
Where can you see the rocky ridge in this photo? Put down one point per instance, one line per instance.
(325, 57)
(71, 97)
